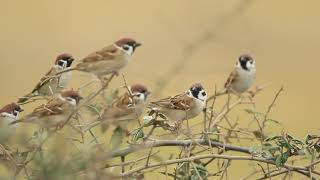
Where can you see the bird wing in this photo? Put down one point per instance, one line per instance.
(179, 102)
(107, 53)
(121, 107)
(123, 101)
(231, 79)
(53, 107)
(45, 79)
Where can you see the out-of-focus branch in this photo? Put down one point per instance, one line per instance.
(105, 85)
(191, 48)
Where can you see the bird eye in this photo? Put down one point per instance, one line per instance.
(15, 113)
(203, 93)
(62, 63)
(126, 47)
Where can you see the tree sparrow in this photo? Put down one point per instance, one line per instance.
(55, 112)
(49, 85)
(9, 113)
(127, 107)
(182, 106)
(243, 75)
(109, 59)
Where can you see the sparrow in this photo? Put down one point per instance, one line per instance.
(125, 108)
(183, 106)
(50, 84)
(55, 112)
(109, 59)
(243, 75)
(8, 114)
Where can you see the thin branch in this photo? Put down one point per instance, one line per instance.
(159, 143)
(298, 169)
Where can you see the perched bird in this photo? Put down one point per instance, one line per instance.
(127, 107)
(109, 59)
(55, 112)
(243, 75)
(49, 85)
(8, 114)
(183, 106)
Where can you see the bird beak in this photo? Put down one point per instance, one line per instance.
(137, 45)
(71, 59)
(20, 110)
(79, 98)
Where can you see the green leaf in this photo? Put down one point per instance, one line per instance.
(162, 116)
(278, 161)
(117, 137)
(272, 138)
(147, 119)
(203, 172)
(137, 134)
(282, 159)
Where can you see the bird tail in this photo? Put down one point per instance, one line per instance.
(15, 122)
(26, 97)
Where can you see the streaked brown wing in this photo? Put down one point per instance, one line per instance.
(232, 77)
(123, 101)
(45, 79)
(116, 112)
(180, 102)
(107, 53)
(53, 107)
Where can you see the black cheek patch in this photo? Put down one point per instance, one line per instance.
(60, 63)
(195, 92)
(244, 65)
(69, 63)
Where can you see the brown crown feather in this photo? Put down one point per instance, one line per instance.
(9, 107)
(245, 56)
(64, 56)
(196, 86)
(70, 93)
(123, 41)
(139, 88)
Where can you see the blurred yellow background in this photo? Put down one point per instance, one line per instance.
(283, 37)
